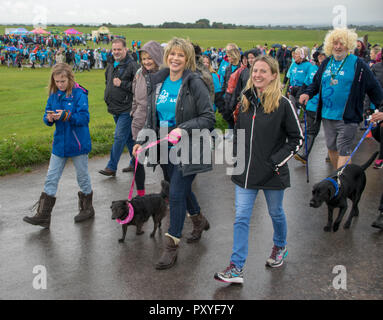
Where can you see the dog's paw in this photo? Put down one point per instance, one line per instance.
(121, 240)
(327, 228)
(152, 235)
(335, 227)
(138, 233)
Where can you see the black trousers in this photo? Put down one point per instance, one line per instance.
(313, 128)
(377, 133)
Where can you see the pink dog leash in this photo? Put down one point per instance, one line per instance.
(131, 209)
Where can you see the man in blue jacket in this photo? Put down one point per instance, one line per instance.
(342, 82)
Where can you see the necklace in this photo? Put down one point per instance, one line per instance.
(334, 81)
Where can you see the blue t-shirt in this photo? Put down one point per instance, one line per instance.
(116, 63)
(217, 87)
(166, 102)
(77, 58)
(335, 93)
(222, 69)
(298, 73)
(312, 104)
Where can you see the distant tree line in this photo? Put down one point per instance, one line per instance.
(205, 24)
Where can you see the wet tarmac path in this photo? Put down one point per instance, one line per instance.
(85, 261)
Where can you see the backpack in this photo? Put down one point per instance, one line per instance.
(231, 85)
(233, 80)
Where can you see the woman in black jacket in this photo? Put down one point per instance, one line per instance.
(272, 135)
(234, 57)
(178, 103)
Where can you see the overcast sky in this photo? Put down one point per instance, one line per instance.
(155, 12)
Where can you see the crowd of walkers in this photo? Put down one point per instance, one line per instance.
(175, 89)
(45, 51)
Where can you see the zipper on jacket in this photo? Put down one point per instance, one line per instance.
(251, 145)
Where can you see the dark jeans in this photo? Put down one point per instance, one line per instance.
(377, 133)
(181, 198)
(122, 138)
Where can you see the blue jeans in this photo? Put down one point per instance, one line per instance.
(122, 137)
(56, 168)
(181, 198)
(244, 203)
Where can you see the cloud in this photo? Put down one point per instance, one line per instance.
(154, 12)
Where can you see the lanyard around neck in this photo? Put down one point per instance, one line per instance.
(340, 68)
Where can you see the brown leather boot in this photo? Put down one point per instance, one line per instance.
(169, 256)
(43, 214)
(200, 224)
(85, 206)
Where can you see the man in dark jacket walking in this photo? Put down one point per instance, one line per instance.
(119, 75)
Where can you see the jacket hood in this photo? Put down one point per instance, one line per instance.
(78, 86)
(155, 50)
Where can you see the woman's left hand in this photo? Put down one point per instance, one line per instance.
(175, 135)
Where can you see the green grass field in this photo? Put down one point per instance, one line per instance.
(26, 141)
(244, 38)
(24, 138)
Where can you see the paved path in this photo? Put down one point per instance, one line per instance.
(85, 261)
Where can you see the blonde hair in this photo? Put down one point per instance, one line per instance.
(347, 36)
(235, 55)
(273, 92)
(230, 46)
(65, 70)
(186, 47)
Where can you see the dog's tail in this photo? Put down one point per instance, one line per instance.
(369, 161)
(165, 189)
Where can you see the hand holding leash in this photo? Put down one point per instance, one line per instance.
(174, 136)
(303, 98)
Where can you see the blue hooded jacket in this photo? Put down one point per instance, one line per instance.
(71, 137)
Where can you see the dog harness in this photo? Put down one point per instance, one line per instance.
(173, 139)
(335, 184)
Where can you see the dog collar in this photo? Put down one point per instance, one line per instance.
(130, 215)
(335, 184)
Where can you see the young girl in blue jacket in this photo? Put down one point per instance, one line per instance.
(67, 109)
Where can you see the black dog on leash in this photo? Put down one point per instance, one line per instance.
(335, 191)
(151, 205)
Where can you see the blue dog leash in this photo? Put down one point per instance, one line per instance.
(356, 148)
(307, 155)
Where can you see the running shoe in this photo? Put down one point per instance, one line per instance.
(230, 275)
(378, 164)
(277, 256)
